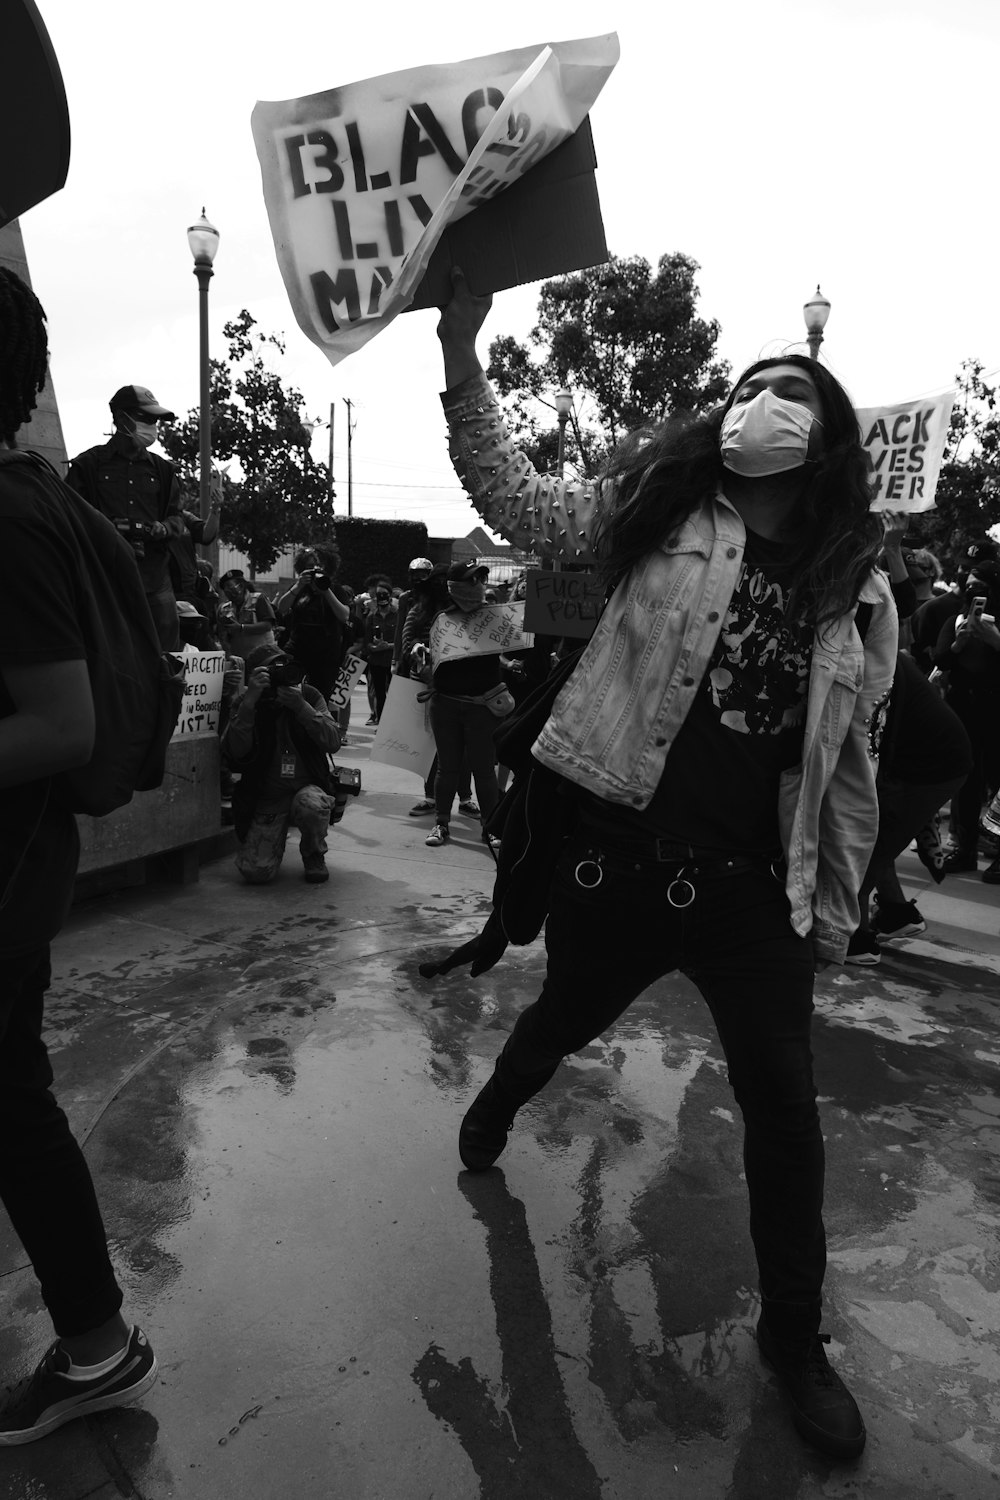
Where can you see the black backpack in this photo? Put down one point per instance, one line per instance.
(137, 688)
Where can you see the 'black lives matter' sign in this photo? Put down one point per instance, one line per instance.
(360, 182)
(905, 444)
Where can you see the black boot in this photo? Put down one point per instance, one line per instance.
(483, 1135)
(823, 1409)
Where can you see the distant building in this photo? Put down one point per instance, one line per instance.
(505, 563)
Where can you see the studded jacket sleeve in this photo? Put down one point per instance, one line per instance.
(535, 512)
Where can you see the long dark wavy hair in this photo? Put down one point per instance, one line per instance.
(658, 476)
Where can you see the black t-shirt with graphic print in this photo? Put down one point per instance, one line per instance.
(719, 788)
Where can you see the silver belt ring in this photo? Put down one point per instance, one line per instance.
(680, 884)
(589, 864)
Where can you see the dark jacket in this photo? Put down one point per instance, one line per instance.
(133, 490)
(254, 767)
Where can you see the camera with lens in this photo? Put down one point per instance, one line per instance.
(136, 533)
(319, 580)
(284, 672)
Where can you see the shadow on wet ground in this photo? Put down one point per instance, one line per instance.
(269, 1095)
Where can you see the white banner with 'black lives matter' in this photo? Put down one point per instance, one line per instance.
(361, 181)
(905, 443)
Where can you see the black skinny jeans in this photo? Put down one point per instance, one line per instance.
(463, 730)
(45, 1183)
(735, 942)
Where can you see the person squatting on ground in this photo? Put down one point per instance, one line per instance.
(140, 494)
(316, 621)
(279, 737)
(461, 719)
(46, 726)
(722, 732)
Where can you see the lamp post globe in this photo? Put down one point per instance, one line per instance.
(564, 409)
(815, 311)
(203, 240)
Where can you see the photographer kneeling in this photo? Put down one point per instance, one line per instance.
(278, 738)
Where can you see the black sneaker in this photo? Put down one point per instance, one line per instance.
(825, 1413)
(863, 948)
(469, 808)
(956, 862)
(438, 835)
(991, 874)
(41, 1402)
(898, 919)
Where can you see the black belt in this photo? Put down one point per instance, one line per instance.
(681, 861)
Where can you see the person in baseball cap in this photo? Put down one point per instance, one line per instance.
(140, 494)
(139, 400)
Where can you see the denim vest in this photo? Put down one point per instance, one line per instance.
(612, 725)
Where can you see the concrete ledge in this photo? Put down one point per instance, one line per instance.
(166, 834)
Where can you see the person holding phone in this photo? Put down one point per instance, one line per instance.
(968, 650)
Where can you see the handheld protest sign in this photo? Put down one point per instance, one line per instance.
(545, 224)
(202, 701)
(566, 604)
(489, 631)
(360, 182)
(404, 736)
(906, 445)
(351, 672)
(34, 115)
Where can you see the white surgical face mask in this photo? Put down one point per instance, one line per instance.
(766, 435)
(144, 433)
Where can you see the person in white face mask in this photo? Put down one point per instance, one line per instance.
(720, 738)
(139, 491)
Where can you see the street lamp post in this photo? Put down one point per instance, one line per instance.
(203, 238)
(564, 409)
(815, 311)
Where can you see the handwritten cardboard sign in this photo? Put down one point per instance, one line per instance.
(485, 632)
(906, 444)
(202, 700)
(350, 673)
(361, 181)
(404, 736)
(562, 603)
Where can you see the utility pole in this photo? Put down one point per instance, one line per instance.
(330, 465)
(350, 471)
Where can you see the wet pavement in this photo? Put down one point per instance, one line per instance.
(270, 1095)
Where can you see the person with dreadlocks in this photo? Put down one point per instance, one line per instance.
(721, 734)
(46, 726)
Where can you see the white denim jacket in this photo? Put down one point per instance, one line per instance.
(613, 723)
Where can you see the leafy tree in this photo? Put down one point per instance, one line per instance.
(626, 341)
(280, 496)
(967, 502)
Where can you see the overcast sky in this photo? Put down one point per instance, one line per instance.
(780, 144)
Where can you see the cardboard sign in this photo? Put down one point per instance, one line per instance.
(360, 182)
(562, 603)
(404, 736)
(906, 444)
(202, 700)
(547, 223)
(350, 673)
(486, 632)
